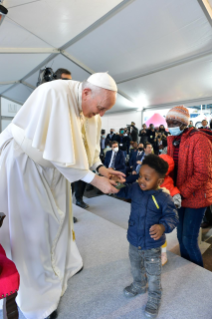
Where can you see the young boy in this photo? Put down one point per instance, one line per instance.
(153, 213)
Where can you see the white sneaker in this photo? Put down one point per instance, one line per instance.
(164, 258)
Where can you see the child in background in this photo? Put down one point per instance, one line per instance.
(152, 215)
(175, 194)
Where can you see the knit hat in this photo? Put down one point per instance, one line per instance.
(179, 113)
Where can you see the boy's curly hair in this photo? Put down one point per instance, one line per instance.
(157, 163)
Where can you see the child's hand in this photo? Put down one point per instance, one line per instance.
(156, 231)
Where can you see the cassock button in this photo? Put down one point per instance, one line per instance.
(139, 247)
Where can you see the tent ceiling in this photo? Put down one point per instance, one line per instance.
(159, 51)
(148, 40)
(57, 22)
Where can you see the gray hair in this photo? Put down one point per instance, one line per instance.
(95, 89)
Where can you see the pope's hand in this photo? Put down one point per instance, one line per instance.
(110, 173)
(105, 185)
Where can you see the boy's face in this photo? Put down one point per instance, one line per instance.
(149, 178)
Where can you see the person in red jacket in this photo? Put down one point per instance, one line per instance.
(192, 152)
(174, 193)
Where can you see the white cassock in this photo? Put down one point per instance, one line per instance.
(41, 153)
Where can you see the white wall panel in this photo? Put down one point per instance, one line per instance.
(119, 120)
(9, 108)
(5, 123)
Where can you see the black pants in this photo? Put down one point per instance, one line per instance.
(79, 189)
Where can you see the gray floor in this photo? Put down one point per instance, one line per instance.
(96, 292)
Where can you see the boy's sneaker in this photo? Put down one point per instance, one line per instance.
(164, 258)
(132, 291)
(152, 308)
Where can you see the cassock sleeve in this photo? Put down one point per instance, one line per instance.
(73, 174)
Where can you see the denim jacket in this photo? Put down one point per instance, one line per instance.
(147, 209)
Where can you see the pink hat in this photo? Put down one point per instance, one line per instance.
(179, 113)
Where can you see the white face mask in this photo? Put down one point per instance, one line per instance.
(175, 131)
(116, 149)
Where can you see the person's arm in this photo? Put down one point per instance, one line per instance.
(106, 185)
(202, 154)
(169, 218)
(125, 192)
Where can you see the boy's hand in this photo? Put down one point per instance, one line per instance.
(156, 231)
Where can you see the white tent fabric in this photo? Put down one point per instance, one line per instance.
(158, 51)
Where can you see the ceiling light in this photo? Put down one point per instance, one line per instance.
(3, 12)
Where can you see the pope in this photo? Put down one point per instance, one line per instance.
(52, 141)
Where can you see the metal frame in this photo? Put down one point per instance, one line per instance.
(55, 52)
(205, 6)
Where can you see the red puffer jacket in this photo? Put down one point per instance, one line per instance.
(194, 175)
(168, 181)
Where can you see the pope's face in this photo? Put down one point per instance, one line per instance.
(99, 102)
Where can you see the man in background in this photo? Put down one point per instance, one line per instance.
(111, 136)
(133, 132)
(115, 158)
(62, 74)
(204, 125)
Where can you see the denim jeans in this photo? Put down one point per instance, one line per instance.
(188, 231)
(146, 266)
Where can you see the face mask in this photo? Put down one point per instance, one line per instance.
(140, 149)
(111, 132)
(205, 126)
(152, 128)
(116, 149)
(190, 125)
(175, 131)
(103, 136)
(122, 132)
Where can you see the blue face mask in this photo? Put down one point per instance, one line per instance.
(175, 131)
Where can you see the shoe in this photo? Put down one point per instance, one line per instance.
(205, 225)
(131, 291)
(164, 259)
(53, 315)
(89, 188)
(75, 220)
(81, 204)
(152, 308)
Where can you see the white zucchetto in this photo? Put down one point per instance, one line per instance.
(103, 80)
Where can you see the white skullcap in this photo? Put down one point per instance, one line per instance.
(103, 80)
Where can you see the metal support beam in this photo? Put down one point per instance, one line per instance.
(38, 67)
(9, 99)
(29, 51)
(28, 85)
(9, 82)
(90, 71)
(97, 23)
(185, 102)
(206, 8)
(168, 66)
